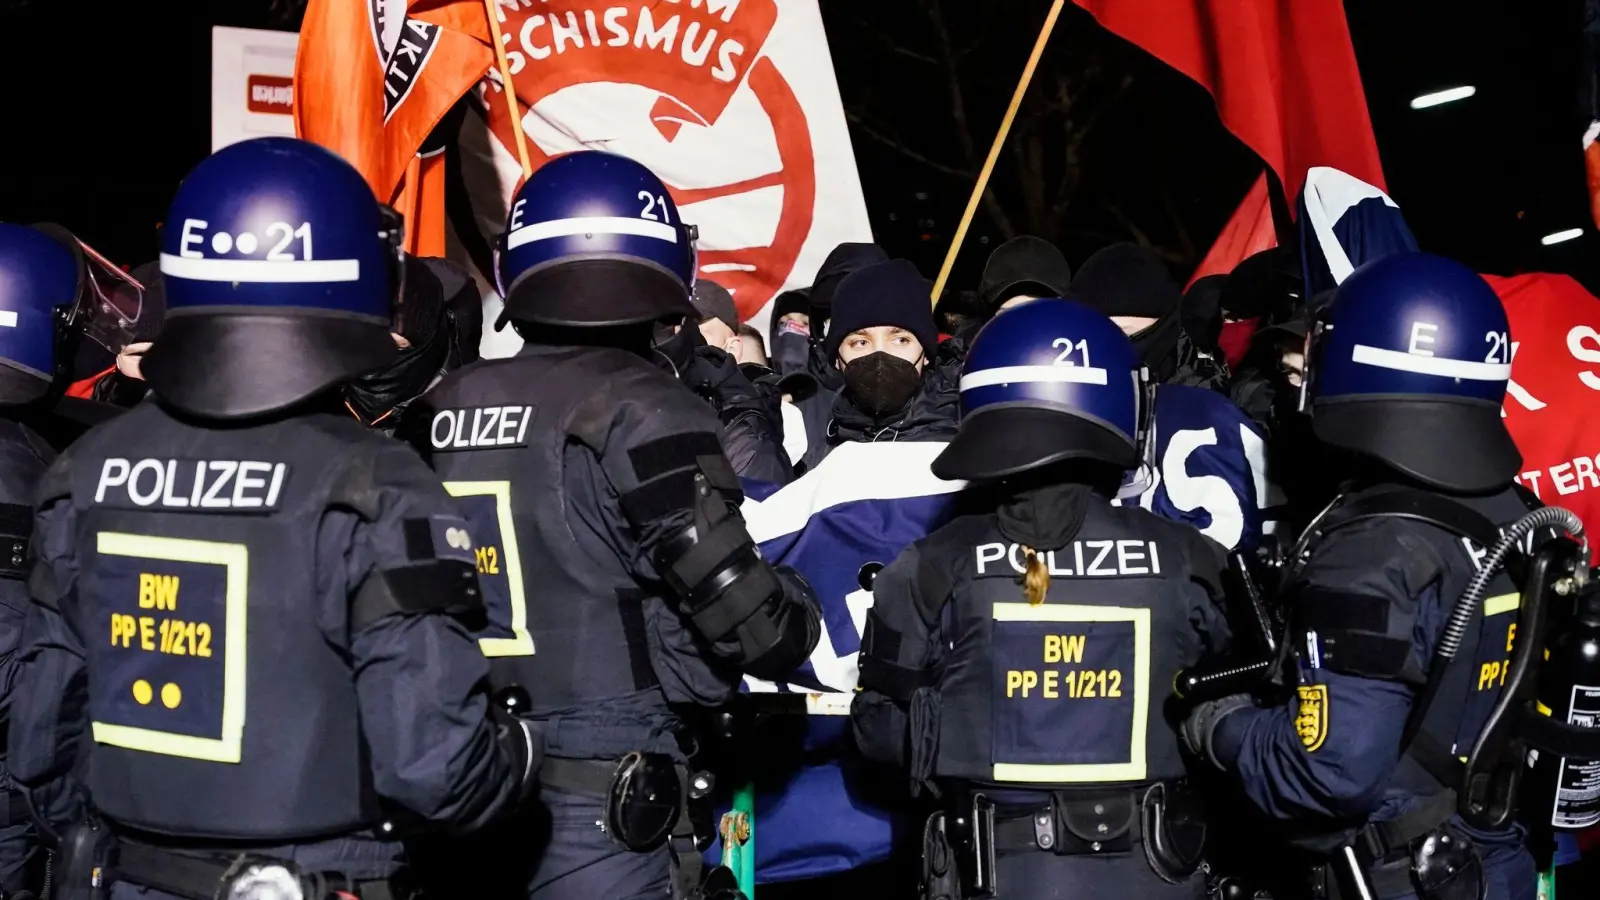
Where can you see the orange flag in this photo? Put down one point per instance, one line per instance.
(370, 83)
(421, 202)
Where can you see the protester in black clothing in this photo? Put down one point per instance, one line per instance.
(1131, 284)
(817, 411)
(880, 343)
(438, 324)
(1263, 290)
(752, 424)
(789, 334)
(1202, 312)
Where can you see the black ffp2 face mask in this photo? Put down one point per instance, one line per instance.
(880, 383)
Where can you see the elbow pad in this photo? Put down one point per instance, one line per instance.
(776, 643)
(729, 591)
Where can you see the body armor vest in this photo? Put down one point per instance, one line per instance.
(219, 708)
(568, 620)
(1471, 684)
(1068, 692)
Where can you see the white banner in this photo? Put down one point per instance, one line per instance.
(732, 102)
(252, 84)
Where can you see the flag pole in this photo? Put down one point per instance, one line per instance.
(491, 11)
(994, 149)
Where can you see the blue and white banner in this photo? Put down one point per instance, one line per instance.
(822, 810)
(1210, 467)
(1345, 222)
(861, 506)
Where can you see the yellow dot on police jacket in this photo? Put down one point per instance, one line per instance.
(142, 692)
(171, 696)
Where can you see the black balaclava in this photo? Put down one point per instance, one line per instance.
(789, 347)
(420, 319)
(1130, 280)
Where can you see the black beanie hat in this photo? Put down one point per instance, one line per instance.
(889, 293)
(1023, 265)
(1127, 280)
(844, 259)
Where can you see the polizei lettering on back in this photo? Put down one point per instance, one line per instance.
(1080, 559)
(480, 426)
(239, 485)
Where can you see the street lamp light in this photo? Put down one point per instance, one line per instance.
(1446, 96)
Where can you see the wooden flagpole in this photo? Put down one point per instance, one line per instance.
(490, 10)
(994, 149)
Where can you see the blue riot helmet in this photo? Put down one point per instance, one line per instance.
(594, 240)
(38, 283)
(1408, 365)
(281, 270)
(54, 289)
(1047, 381)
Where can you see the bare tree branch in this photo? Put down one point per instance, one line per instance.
(903, 149)
(864, 27)
(958, 112)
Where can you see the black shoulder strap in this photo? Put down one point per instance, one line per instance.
(1418, 506)
(1528, 498)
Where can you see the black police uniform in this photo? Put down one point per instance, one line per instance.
(24, 456)
(584, 468)
(1053, 712)
(1375, 591)
(246, 639)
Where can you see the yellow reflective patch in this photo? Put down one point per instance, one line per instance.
(495, 562)
(1503, 603)
(1096, 687)
(179, 638)
(1311, 722)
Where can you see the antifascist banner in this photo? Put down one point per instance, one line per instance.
(732, 103)
(1555, 382)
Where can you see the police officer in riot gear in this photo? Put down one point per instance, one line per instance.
(1406, 370)
(619, 575)
(246, 658)
(49, 294)
(1018, 659)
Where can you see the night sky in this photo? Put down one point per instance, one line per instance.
(107, 106)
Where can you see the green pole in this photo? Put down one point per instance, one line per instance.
(744, 802)
(738, 830)
(1547, 884)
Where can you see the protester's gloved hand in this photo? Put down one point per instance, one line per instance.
(1200, 728)
(717, 375)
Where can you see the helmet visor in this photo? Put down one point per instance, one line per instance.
(109, 302)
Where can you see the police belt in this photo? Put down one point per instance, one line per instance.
(1073, 823)
(595, 778)
(1384, 848)
(200, 876)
